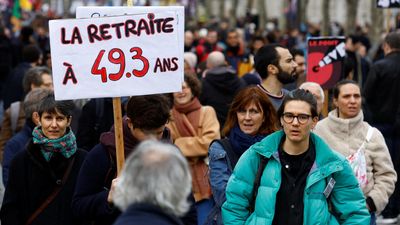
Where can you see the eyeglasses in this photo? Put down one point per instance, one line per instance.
(252, 112)
(301, 118)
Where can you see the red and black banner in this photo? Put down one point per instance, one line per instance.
(325, 60)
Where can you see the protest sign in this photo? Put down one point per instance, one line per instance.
(116, 56)
(104, 11)
(325, 60)
(388, 3)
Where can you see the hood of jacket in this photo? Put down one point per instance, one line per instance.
(130, 142)
(324, 155)
(224, 79)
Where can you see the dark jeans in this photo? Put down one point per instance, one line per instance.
(373, 219)
(392, 140)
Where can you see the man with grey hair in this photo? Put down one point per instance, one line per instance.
(17, 142)
(219, 85)
(153, 186)
(316, 90)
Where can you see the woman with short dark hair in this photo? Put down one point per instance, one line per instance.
(42, 179)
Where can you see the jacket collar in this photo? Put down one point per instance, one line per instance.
(344, 125)
(324, 155)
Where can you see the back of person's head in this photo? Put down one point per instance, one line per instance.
(26, 34)
(191, 59)
(194, 83)
(393, 40)
(215, 59)
(299, 95)
(336, 89)
(244, 98)
(265, 56)
(155, 173)
(309, 84)
(33, 99)
(148, 112)
(31, 53)
(50, 105)
(34, 77)
(296, 52)
(252, 79)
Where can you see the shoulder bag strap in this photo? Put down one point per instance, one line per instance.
(367, 138)
(257, 181)
(51, 197)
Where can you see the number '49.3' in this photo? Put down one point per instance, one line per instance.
(119, 60)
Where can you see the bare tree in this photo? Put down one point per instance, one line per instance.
(262, 12)
(222, 8)
(233, 13)
(326, 19)
(301, 12)
(352, 6)
(377, 26)
(250, 4)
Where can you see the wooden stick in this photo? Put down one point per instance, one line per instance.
(119, 138)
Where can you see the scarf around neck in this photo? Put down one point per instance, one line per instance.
(65, 145)
(187, 117)
(240, 141)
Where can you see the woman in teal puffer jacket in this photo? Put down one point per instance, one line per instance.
(304, 181)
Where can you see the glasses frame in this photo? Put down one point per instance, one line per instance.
(300, 121)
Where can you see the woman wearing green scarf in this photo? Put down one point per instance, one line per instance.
(42, 178)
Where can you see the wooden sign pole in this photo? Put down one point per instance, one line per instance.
(119, 137)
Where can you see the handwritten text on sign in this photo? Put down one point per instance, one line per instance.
(116, 56)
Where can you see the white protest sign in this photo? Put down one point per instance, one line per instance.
(116, 56)
(104, 11)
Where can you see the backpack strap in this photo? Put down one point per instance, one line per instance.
(14, 114)
(230, 154)
(263, 163)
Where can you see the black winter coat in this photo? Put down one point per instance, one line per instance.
(219, 87)
(145, 214)
(96, 175)
(381, 91)
(31, 180)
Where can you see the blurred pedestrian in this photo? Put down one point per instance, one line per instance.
(316, 90)
(220, 85)
(382, 101)
(193, 127)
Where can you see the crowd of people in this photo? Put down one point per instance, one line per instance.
(244, 142)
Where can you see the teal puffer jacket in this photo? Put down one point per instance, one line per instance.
(347, 198)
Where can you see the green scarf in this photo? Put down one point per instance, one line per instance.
(66, 145)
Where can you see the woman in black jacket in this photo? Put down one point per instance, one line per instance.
(42, 178)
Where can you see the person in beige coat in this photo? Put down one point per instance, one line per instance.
(193, 127)
(345, 131)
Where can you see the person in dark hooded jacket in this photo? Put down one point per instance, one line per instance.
(220, 85)
(146, 118)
